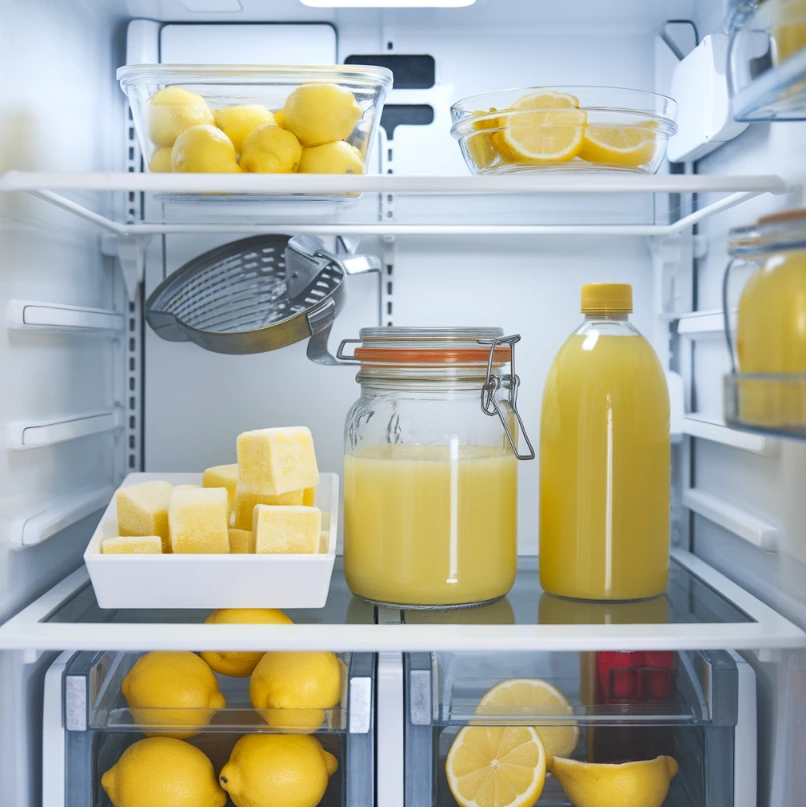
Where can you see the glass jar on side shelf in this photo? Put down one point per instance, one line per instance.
(430, 483)
(767, 390)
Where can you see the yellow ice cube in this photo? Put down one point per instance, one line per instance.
(286, 530)
(246, 500)
(132, 545)
(309, 497)
(241, 542)
(187, 487)
(143, 510)
(222, 476)
(198, 521)
(277, 461)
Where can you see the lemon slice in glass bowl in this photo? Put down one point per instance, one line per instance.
(543, 135)
(523, 696)
(620, 146)
(496, 766)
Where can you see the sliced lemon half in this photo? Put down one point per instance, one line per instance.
(526, 695)
(545, 136)
(628, 147)
(496, 766)
(547, 99)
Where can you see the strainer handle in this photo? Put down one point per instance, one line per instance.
(320, 321)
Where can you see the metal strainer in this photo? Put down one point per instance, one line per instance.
(258, 294)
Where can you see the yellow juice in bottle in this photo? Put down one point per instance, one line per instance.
(430, 525)
(605, 459)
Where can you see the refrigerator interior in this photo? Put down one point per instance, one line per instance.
(102, 395)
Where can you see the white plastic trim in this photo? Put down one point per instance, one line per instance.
(735, 519)
(390, 750)
(704, 324)
(768, 629)
(41, 523)
(35, 434)
(41, 316)
(717, 432)
(53, 734)
(745, 739)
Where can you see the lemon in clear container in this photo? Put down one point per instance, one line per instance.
(320, 113)
(204, 150)
(332, 158)
(160, 162)
(171, 111)
(271, 149)
(239, 121)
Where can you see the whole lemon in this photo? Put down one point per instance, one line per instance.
(239, 121)
(332, 158)
(172, 688)
(161, 161)
(172, 110)
(235, 663)
(161, 772)
(204, 150)
(271, 150)
(291, 690)
(266, 770)
(320, 113)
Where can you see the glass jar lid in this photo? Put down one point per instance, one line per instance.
(775, 233)
(429, 347)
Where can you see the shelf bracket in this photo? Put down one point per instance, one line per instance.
(130, 250)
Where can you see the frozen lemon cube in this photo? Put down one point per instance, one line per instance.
(277, 461)
(241, 542)
(246, 500)
(309, 497)
(132, 545)
(286, 530)
(186, 487)
(198, 521)
(143, 510)
(222, 476)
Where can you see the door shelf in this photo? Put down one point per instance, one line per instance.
(547, 204)
(701, 610)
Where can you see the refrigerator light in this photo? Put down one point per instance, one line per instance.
(388, 3)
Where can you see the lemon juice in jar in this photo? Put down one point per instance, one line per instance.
(430, 483)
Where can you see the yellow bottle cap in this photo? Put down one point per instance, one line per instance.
(607, 298)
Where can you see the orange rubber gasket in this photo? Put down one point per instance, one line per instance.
(394, 355)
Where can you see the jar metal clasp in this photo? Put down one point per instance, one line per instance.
(492, 383)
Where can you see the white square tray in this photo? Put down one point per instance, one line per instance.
(213, 581)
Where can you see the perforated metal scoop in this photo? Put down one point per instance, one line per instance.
(258, 294)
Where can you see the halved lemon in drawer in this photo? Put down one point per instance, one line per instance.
(496, 766)
(524, 696)
(627, 147)
(544, 135)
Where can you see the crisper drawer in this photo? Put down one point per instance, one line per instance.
(696, 707)
(88, 726)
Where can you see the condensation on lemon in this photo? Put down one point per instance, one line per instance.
(521, 696)
(496, 766)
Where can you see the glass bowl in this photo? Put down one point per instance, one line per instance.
(234, 85)
(564, 129)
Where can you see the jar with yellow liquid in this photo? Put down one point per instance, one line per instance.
(768, 393)
(431, 467)
(605, 462)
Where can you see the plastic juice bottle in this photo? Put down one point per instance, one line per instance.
(605, 459)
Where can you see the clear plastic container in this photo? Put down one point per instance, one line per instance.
(612, 130)
(619, 707)
(222, 86)
(99, 727)
(767, 57)
(431, 482)
(605, 459)
(768, 391)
